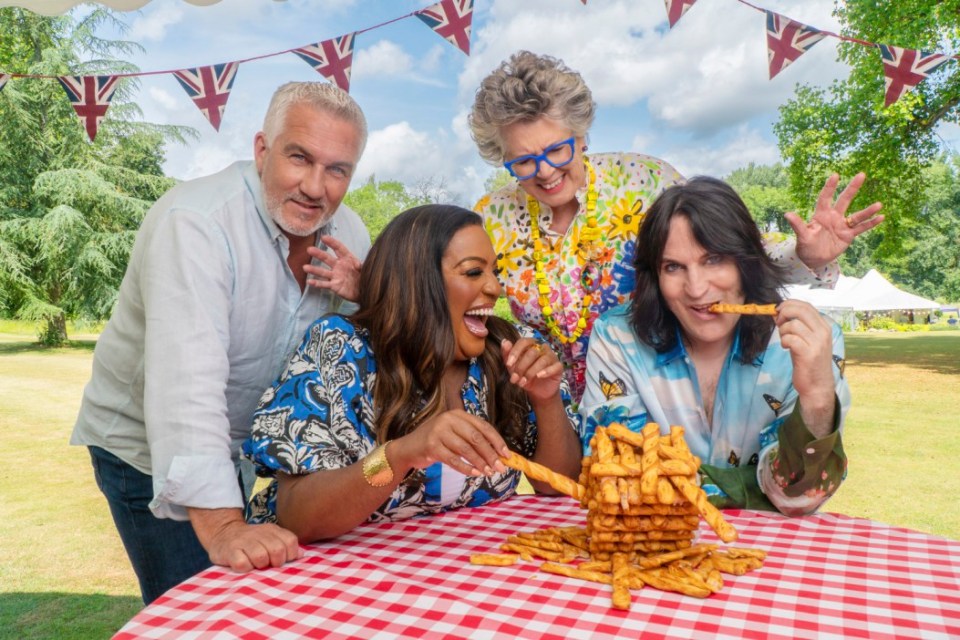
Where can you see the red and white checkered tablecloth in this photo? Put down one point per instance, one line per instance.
(826, 576)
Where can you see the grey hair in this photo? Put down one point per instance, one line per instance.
(523, 88)
(322, 96)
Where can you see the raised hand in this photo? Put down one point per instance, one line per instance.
(341, 275)
(830, 231)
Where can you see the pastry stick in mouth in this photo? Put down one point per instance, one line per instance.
(745, 309)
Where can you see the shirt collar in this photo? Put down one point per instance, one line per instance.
(679, 351)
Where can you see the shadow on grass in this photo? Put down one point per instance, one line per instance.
(937, 352)
(14, 347)
(65, 616)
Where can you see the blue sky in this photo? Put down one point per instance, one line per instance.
(697, 96)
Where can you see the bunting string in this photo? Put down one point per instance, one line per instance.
(209, 87)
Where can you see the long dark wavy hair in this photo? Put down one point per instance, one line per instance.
(721, 223)
(403, 305)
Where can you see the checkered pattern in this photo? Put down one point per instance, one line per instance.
(825, 576)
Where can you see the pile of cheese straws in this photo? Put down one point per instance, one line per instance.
(643, 511)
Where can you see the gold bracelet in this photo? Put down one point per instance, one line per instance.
(376, 468)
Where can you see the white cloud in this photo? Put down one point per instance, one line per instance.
(153, 26)
(707, 73)
(720, 157)
(164, 99)
(400, 152)
(384, 58)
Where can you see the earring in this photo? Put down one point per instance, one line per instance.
(584, 148)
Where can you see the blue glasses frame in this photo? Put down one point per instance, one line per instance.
(537, 158)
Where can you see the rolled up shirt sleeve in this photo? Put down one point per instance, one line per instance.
(783, 249)
(798, 472)
(187, 284)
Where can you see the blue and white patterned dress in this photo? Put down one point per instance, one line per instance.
(319, 415)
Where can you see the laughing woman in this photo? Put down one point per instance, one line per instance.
(404, 408)
(565, 231)
(762, 399)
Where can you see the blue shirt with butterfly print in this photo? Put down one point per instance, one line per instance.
(319, 415)
(630, 383)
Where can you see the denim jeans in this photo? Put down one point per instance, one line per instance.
(163, 552)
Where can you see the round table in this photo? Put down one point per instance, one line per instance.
(826, 576)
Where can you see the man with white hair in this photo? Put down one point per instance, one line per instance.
(214, 300)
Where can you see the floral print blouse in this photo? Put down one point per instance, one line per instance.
(319, 415)
(626, 185)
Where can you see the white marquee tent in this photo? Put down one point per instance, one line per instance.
(872, 293)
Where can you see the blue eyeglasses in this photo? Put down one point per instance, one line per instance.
(556, 155)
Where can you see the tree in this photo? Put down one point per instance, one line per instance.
(69, 262)
(69, 208)
(378, 202)
(930, 262)
(497, 180)
(765, 189)
(847, 129)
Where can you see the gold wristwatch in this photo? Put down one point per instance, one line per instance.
(376, 468)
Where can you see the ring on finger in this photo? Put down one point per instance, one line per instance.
(850, 223)
(538, 347)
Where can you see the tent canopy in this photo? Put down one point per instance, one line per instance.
(54, 7)
(873, 292)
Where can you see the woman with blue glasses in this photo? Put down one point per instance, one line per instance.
(565, 232)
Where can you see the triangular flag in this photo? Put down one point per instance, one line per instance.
(903, 69)
(90, 97)
(209, 88)
(787, 40)
(451, 20)
(3, 80)
(676, 9)
(332, 58)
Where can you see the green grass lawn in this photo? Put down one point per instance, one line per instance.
(63, 572)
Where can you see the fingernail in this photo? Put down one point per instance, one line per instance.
(476, 472)
(511, 360)
(500, 467)
(513, 378)
(523, 381)
(487, 471)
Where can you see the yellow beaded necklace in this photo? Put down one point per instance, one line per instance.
(589, 274)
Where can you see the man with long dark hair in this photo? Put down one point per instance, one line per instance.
(761, 398)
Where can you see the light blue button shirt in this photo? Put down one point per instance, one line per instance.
(207, 316)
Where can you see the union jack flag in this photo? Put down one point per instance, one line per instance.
(451, 20)
(787, 40)
(332, 58)
(209, 88)
(903, 69)
(3, 80)
(90, 97)
(676, 9)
